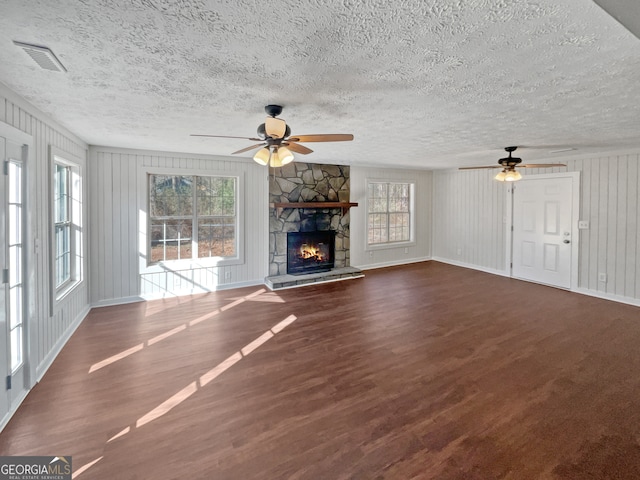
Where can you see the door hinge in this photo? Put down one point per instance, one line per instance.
(8, 382)
(5, 275)
(5, 167)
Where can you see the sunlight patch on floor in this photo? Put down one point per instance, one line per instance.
(85, 467)
(168, 404)
(194, 386)
(178, 329)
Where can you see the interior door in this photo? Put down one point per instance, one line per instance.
(542, 230)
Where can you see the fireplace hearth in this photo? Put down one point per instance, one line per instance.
(310, 252)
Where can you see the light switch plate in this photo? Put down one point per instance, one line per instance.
(583, 224)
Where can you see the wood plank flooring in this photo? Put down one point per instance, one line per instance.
(424, 371)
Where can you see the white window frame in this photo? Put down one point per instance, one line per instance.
(412, 215)
(146, 266)
(57, 293)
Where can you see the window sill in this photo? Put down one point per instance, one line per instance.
(190, 264)
(389, 246)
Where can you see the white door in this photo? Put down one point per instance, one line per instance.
(12, 297)
(543, 230)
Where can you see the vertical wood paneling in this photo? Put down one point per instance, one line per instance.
(50, 330)
(632, 225)
(620, 232)
(636, 214)
(115, 263)
(468, 218)
(609, 201)
(594, 229)
(603, 227)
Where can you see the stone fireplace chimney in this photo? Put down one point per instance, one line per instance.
(309, 184)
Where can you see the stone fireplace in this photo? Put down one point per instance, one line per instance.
(319, 199)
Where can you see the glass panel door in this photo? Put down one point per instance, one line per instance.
(15, 254)
(5, 346)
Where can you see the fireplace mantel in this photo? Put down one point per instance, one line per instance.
(345, 206)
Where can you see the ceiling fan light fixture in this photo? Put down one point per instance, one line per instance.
(512, 176)
(276, 161)
(262, 156)
(501, 176)
(285, 155)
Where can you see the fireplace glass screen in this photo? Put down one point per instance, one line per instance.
(309, 252)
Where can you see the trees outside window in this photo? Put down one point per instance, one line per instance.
(192, 217)
(389, 214)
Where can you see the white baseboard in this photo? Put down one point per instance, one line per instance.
(9, 414)
(502, 273)
(197, 291)
(57, 348)
(583, 291)
(393, 263)
(117, 301)
(607, 296)
(178, 293)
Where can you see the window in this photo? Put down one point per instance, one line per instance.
(389, 213)
(62, 224)
(192, 217)
(66, 224)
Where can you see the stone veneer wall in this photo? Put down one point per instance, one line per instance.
(305, 182)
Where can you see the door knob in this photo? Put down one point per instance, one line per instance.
(566, 241)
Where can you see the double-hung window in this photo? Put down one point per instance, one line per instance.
(389, 213)
(62, 224)
(192, 217)
(66, 224)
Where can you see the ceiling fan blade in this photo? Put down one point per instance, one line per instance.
(330, 137)
(227, 136)
(476, 168)
(295, 147)
(252, 147)
(542, 165)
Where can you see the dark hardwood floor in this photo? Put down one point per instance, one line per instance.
(422, 371)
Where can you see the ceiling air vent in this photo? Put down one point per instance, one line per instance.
(42, 56)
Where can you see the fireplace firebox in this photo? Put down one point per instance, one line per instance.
(309, 252)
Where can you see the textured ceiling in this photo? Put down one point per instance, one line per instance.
(420, 83)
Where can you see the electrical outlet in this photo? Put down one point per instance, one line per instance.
(371, 253)
(227, 275)
(459, 251)
(602, 277)
(406, 250)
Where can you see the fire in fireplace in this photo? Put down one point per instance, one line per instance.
(309, 252)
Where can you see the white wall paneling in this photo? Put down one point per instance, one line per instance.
(47, 332)
(609, 201)
(118, 218)
(469, 224)
(380, 257)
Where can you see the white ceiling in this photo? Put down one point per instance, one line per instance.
(420, 83)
